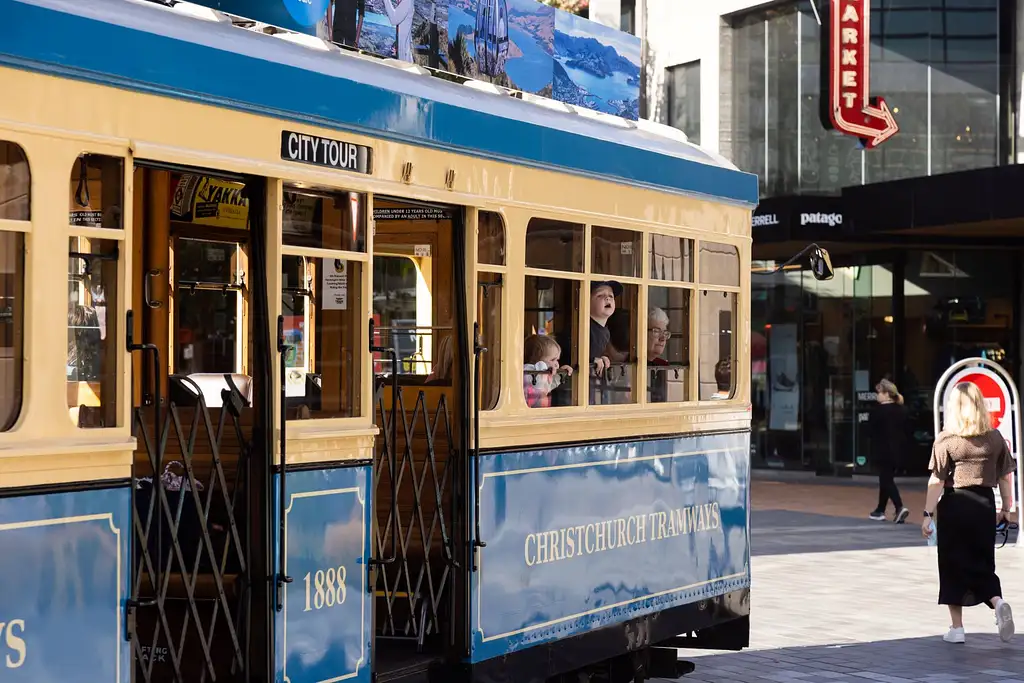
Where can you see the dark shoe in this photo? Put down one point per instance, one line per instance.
(902, 515)
(877, 516)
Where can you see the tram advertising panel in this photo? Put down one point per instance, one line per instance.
(323, 627)
(579, 538)
(64, 567)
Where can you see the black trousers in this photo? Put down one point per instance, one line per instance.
(887, 487)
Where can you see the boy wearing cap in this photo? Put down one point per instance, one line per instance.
(602, 306)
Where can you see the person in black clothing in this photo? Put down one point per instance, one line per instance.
(888, 428)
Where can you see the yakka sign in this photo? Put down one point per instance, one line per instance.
(847, 71)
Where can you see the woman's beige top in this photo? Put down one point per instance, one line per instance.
(971, 460)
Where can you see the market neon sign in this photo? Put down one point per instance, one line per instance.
(851, 109)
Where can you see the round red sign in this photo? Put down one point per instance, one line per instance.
(993, 393)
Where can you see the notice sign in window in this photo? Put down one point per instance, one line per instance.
(318, 151)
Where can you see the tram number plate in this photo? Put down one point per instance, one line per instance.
(638, 634)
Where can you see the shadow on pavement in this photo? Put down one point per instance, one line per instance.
(984, 659)
(782, 532)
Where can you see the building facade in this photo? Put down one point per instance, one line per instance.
(926, 229)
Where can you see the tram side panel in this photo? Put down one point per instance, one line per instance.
(323, 627)
(64, 563)
(581, 538)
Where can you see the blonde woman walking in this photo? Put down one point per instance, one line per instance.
(888, 427)
(969, 459)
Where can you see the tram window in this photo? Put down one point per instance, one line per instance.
(490, 239)
(668, 344)
(554, 245)
(93, 348)
(209, 305)
(615, 252)
(321, 304)
(719, 264)
(403, 310)
(717, 350)
(613, 348)
(489, 298)
(97, 192)
(671, 258)
(551, 312)
(12, 320)
(15, 184)
(324, 219)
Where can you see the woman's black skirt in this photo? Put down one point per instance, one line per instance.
(966, 525)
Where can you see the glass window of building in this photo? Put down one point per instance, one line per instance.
(93, 348)
(613, 346)
(322, 302)
(719, 264)
(550, 349)
(551, 310)
(490, 297)
(554, 245)
(717, 347)
(683, 84)
(938, 64)
(15, 203)
(627, 17)
(15, 183)
(671, 258)
(490, 239)
(668, 344)
(97, 192)
(615, 252)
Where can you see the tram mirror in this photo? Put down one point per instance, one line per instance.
(821, 264)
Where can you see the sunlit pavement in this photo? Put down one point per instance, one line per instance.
(839, 598)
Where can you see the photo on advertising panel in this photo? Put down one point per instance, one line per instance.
(507, 42)
(596, 67)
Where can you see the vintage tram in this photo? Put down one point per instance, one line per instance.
(362, 374)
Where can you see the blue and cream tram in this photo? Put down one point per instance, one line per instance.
(362, 374)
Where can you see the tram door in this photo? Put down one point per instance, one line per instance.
(418, 409)
(199, 364)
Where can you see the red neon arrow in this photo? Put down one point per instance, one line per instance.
(852, 111)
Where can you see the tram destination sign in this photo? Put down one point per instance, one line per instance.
(847, 104)
(319, 151)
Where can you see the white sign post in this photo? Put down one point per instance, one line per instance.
(1003, 403)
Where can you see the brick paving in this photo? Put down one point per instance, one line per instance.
(838, 598)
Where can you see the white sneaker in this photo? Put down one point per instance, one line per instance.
(955, 635)
(1004, 621)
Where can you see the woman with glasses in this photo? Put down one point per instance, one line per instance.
(969, 459)
(657, 337)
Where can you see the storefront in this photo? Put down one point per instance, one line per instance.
(927, 272)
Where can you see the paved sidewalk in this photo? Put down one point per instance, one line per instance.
(839, 598)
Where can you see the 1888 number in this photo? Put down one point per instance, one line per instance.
(325, 588)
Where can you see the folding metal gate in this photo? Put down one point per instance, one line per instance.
(189, 611)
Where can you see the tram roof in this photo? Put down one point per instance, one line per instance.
(144, 46)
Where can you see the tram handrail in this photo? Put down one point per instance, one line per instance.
(392, 451)
(282, 578)
(133, 601)
(478, 351)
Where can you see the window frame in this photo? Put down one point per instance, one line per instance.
(120, 235)
(321, 425)
(737, 332)
(24, 228)
(501, 271)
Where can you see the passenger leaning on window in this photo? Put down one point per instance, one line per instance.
(969, 459)
(602, 306)
(541, 371)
